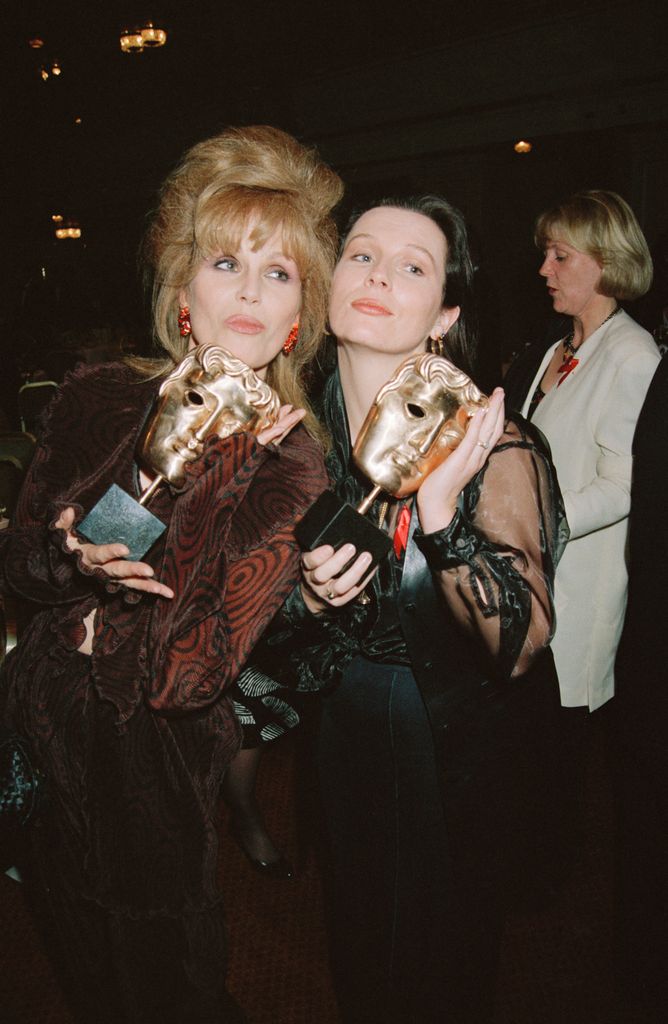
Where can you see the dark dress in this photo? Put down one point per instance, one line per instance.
(640, 721)
(439, 698)
(134, 740)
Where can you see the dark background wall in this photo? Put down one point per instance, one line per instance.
(397, 97)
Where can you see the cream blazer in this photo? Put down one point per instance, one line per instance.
(589, 421)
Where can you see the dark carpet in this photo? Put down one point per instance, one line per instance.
(556, 960)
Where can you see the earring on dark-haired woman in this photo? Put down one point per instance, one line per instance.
(437, 345)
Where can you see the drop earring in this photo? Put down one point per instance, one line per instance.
(291, 340)
(183, 320)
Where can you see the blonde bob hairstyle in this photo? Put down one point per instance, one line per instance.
(260, 174)
(602, 225)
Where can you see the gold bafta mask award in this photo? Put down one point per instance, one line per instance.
(209, 392)
(417, 419)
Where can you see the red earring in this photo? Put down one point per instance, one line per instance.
(291, 339)
(184, 321)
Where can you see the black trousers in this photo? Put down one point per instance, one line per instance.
(414, 940)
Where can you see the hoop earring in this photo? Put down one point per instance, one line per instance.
(291, 340)
(183, 320)
(437, 345)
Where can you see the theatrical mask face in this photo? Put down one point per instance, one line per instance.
(209, 392)
(409, 430)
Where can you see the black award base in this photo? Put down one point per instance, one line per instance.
(332, 521)
(119, 519)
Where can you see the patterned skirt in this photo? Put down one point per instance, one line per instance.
(264, 708)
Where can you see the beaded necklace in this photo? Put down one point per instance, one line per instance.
(570, 349)
(568, 364)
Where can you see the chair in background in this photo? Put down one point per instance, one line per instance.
(4, 522)
(3, 632)
(11, 476)
(33, 400)
(16, 452)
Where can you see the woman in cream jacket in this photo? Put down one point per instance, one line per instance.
(585, 394)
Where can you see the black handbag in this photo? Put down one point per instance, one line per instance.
(21, 791)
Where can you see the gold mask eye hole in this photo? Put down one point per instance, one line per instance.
(194, 398)
(416, 412)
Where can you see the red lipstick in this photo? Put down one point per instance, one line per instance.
(244, 324)
(370, 307)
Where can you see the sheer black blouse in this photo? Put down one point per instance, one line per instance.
(493, 564)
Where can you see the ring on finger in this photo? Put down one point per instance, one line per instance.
(483, 444)
(330, 594)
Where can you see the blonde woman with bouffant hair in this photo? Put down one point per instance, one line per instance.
(122, 685)
(263, 176)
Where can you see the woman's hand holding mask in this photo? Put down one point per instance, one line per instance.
(438, 494)
(288, 418)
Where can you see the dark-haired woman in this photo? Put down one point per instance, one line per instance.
(429, 746)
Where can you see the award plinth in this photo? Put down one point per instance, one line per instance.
(333, 521)
(117, 518)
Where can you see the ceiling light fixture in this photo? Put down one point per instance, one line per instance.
(35, 43)
(68, 229)
(148, 37)
(522, 146)
(131, 42)
(152, 36)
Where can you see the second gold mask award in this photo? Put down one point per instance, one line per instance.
(209, 392)
(417, 419)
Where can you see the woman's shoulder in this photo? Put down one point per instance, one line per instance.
(103, 396)
(104, 375)
(105, 386)
(626, 338)
(520, 433)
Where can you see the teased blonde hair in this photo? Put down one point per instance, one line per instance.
(602, 225)
(256, 173)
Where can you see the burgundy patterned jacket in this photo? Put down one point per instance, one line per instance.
(152, 745)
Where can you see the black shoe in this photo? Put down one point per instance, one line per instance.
(277, 869)
(280, 869)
